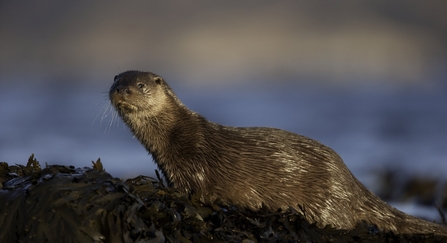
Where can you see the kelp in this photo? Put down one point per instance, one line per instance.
(67, 204)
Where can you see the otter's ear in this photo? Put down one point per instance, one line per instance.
(157, 80)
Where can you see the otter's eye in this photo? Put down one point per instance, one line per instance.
(141, 85)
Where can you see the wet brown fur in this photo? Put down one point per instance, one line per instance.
(250, 167)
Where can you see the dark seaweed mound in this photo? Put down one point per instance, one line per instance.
(67, 204)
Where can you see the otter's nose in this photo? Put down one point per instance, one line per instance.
(120, 89)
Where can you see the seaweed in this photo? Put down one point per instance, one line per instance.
(68, 204)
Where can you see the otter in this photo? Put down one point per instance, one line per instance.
(250, 167)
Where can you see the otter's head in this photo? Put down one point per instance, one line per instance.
(139, 95)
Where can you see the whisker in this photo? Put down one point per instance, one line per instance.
(98, 105)
(111, 113)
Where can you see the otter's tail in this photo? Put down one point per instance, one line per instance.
(411, 225)
(389, 218)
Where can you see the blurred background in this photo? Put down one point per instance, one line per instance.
(366, 78)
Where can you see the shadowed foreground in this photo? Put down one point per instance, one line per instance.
(67, 204)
